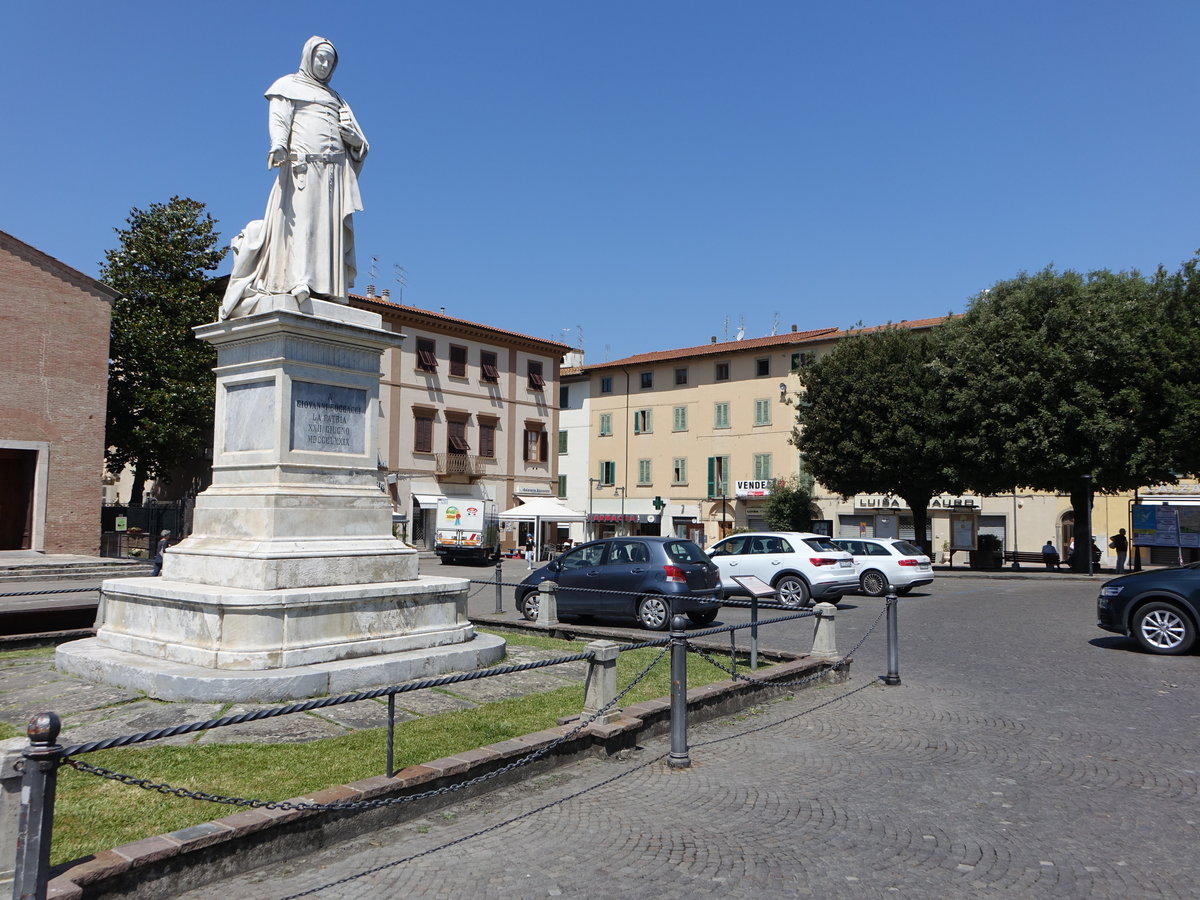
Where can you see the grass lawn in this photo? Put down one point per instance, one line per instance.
(93, 814)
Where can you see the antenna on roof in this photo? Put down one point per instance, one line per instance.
(725, 330)
(401, 277)
(579, 331)
(775, 323)
(374, 260)
(741, 332)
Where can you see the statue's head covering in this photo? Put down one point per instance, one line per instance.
(306, 58)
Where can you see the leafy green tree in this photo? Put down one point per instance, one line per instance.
(870, 420)
(160, 380)
(789, 506)
(1054, 376)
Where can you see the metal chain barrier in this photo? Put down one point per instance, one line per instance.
(91, 590)
(168, 789)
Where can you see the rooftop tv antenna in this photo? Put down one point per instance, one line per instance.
(775, 323)
(374, 273)
(741, 332)
(400, 275)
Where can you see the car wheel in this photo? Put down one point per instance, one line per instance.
(654, 612)
(1162, 628)
(873, 583)
(791, 591)
(529, 604)
(706, 617)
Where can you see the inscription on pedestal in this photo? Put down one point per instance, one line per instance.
(328, 418)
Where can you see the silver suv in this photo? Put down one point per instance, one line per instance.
(803, 568)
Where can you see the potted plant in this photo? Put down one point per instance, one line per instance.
(986, 554)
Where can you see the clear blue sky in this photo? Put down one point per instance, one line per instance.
(644, 170)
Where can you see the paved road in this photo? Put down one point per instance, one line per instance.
(1026, 754)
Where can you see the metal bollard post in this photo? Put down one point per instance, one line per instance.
(499, 587)
(893, 650)
(547, 603)
(38, 783)
(678, 757)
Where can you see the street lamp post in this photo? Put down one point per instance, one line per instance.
(624, 525)
(591, 526)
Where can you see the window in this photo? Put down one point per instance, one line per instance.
(718, 476)
(679, 418)
(679, 470)
(456, 436)
(762, 366)
(608, 473)
(720, 415)
(562, 443)
(426, 355)
(722, 373)
(422, 432)
(647, 380)
(562, 486)
(605, 424)
(802, 359)
(762, 466)
(641, 421)
(536, 381)
(681, 375)
(762, 412)
(644, 472)
(606, 384)
(535, 443)
(564, 396)
(488, 370)
(487, 439)
(458, 361)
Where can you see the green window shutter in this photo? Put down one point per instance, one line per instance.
(562, 442)
(712, 476)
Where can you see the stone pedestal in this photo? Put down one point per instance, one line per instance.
(291, 565)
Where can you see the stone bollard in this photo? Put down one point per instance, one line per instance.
(10, 809)
(547, 604)
(824, 645)
(600, 688)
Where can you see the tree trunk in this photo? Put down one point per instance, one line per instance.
(139, 485)
(1082, 529)
(919, 506)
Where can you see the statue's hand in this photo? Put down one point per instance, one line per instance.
(350, 134)
(277, 157)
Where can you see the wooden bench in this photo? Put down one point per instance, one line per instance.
(1027, 556)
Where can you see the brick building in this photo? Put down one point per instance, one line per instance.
(54, 325)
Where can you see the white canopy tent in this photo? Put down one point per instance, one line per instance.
(542, 509)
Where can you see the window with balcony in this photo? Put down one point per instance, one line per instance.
(456, 436)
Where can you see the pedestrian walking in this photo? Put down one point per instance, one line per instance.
(530, 547)
(1120, 544)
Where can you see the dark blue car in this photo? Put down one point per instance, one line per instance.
(644, 578)
(1159, 608)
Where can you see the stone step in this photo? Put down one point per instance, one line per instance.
(82, 572)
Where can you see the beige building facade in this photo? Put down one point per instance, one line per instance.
(470, 412)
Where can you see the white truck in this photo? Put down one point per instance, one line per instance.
(467, 529)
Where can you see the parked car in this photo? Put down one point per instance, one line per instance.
(644, 578)
(803, 568)
(1159, 608)
(883, 561)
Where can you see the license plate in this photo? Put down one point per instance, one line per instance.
(845, 563)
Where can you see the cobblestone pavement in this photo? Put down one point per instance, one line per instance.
(1026, 754)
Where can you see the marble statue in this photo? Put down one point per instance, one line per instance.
(303, 247)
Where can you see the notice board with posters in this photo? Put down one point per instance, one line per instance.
(964, 529)
(1163, 525)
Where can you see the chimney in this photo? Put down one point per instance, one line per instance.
(386, 294)
(793, 326)
(713, 339)
(370, 290)
(443, 310)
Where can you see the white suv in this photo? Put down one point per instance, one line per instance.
(803, 568)
(883, 561)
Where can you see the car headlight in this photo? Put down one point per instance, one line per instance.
(1111, 590)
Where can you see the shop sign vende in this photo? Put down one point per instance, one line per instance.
(751, 489)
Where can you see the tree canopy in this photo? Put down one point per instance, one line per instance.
(789, 506)
(160, 381)
(870, 420)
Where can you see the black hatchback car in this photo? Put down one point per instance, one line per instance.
(644, 578)
(1159, 608)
